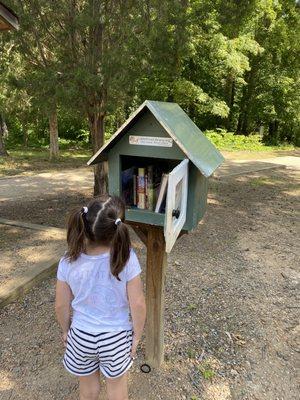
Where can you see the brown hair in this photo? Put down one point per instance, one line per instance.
(101, 222)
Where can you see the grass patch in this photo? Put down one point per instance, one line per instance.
(22, 161)
(192, 307)
(229, 141)
(263, 181)
(207, 371)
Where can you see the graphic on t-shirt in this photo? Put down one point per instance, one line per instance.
(79, 275)
(100, 300)
(103, 300)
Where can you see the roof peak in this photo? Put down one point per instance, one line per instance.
(178, 125)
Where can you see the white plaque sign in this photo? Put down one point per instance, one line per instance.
(150, 141)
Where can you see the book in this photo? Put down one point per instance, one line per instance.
(146, 192)
(162, 193)
(150, 188)
(134, 186)
(141, 189)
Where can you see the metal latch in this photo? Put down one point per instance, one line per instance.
(176, 213)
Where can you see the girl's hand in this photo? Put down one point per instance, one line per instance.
(64, 338)
(134, 346)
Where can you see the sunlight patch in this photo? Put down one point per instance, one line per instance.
(6, 383)
(217, 391)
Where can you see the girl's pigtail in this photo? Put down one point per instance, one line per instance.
(120, 249)
(75, 235)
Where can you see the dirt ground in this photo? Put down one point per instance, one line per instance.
(28, 247)
(257, 155)
(232, 303)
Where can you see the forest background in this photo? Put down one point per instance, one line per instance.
(76, 69)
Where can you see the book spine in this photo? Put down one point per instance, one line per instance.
(134, 188)
(141, 196)
(146, 193)
(150, 188)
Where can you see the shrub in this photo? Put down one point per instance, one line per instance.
(224, 140)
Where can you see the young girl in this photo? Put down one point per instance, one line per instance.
(99, 279)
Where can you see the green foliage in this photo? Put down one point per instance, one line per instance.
(208, 374)
(257, 182)
(229, 141)
(192, 307)
(233, 66)
(206, 371)
(72, 129)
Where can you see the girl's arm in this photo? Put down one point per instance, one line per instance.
(63, 301)
(138, 310)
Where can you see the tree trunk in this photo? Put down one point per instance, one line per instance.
(242, 126)
(3, 133)
(273, 134)
(96, 123)
(230, 94)
(245, 112)
(54, 151)
(25, 135)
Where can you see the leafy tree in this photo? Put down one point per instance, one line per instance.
(98, 60)
(229, 64)
(10, 98)
(4, 67)
(270, 98)
(36, 43)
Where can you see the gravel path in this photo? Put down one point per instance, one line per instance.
(28, 248)
(66, 181)
(46, 184)
(242, 167)
(232, 295)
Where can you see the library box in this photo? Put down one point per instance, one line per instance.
(159, 162)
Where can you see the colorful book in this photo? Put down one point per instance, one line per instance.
(134, 189)
(146, 192)
(141, 189)
(150, 188)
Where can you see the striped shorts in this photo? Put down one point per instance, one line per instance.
(108, 352)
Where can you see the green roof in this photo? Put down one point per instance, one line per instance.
(8, 19)
(181, 129)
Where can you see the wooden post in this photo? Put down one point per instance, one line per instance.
(154, 240)
(155, 295)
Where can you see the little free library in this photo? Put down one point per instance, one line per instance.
(159, 162)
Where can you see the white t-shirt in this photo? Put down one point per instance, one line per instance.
(100, 301)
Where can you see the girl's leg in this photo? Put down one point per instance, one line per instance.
(89, 386)
(117, 388)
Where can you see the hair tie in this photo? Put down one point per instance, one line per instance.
(84, 210)
(118, 221)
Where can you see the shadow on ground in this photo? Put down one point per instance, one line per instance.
(231, 305)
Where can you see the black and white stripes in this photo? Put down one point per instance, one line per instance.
(109, 352)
